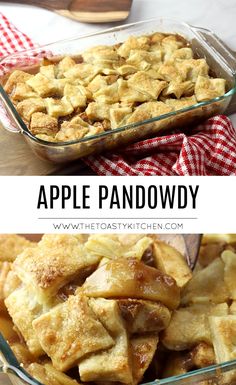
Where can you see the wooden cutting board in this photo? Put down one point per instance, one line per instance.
(87, 11)
(4, 380)
(16, 158)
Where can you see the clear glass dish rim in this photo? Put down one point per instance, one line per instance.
(24, 129)
(12, 366)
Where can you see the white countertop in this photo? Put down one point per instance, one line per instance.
(44, 26)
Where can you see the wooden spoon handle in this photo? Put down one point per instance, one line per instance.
(79, 5)
(49, 4)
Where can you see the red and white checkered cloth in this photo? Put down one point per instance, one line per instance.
(210, 150)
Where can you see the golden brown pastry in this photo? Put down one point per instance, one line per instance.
(190, 326)
(111, 86)
(113, 364)
(23, 309)
(215, 291)
(12, 245)
(70, 331)
(106, 308)
(52, 264)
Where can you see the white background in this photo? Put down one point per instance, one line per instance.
(19, 196)
(44, 26)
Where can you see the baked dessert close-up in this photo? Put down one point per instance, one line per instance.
(107, 87)
(153, 96)
(117, 309)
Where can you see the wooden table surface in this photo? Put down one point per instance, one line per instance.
(4, 380)
(16, 158)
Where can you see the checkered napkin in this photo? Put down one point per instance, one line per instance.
(210, 150)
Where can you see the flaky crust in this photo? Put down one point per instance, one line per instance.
(70, 331)
(107, 85)
(54, 262)
(12, 245)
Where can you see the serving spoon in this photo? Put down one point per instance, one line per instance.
(187, 244)
(87, 11)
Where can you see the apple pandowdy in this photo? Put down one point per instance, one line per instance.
(107, 87)
(116, 308)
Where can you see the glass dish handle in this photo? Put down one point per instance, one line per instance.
(227, 55)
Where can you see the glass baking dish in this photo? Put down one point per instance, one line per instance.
(204, 44)
(211, 375)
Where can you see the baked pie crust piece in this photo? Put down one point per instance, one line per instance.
(190, 326)
(24, 308)
(109, 85)
(42, 123)
(113, 364)
(11, 245)
(28, 107)
(52, 264)
(70, 331)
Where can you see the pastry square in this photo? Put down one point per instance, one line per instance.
(149, 110)
(223, 330)
(113, 364)
(70, 331)
(101, 53)
(192, 68)
(23, 309)
(178, 88)
(28, 107)
(108, 94)
(206, 89)
(190, 326)
(119, 116)
(76, 94)
(42, 85)
(115, 246)
(82, 72)
(11, 245)
(133, 43)
(48, 71)
(179, 104)
(144, 83)
(53, 263)
(64, 65)
(215, 291)
(15, 77)
(57, 108)
(42, 123)
(130, 96)
(23, 91)
(99, 111)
